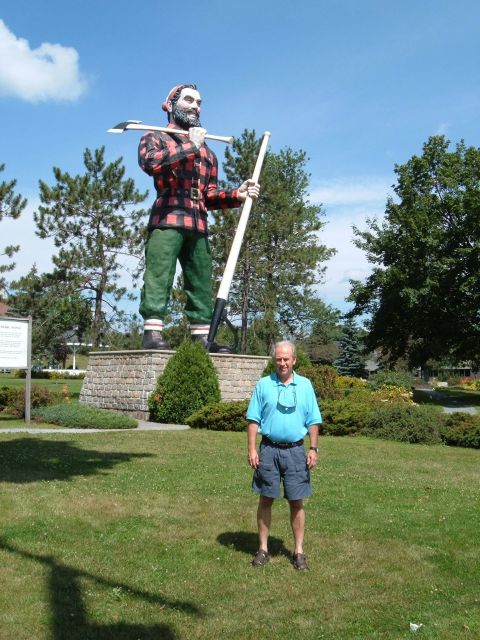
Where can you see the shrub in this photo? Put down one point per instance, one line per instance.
(82, 416)
(461, 430)
(343, 417)
(392, 394)
(391, 378)
(56, 375)
(350, 382)
(8, 396)
(405, 423)
(188, 383)
(12, 400)
(222, 416)
(473, 385)
(323, 379)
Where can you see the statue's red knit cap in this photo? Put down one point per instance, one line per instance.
(171, 93)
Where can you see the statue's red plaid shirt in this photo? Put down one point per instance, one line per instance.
(185, 179)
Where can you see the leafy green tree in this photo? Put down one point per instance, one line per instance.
(321, 343)
(54, 308)
(94, 225)
(280, 262)
(351, 359)
(423, 295)
(11, 206)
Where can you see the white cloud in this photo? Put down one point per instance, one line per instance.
(50, 72)
(443, 129)
(348, 191)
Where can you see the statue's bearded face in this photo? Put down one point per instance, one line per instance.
(186, 110)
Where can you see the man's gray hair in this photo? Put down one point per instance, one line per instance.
(284, 343)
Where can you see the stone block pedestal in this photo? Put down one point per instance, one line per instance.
(123, 380)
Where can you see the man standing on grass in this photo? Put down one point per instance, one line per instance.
(283, 408)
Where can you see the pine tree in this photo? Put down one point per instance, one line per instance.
(350, 361)
(11, 206)
(95, 227)
(280, 262)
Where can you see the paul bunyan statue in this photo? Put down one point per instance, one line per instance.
(185, 173)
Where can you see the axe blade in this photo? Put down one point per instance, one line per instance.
(123, 126)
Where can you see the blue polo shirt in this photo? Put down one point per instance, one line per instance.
(284, 412)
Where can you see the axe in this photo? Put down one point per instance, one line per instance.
(224, 288)
(138, 125)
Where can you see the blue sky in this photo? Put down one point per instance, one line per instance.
(359, 86)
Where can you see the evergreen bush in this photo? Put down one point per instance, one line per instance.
(461, 430)
(81, 416)
(390, 378)
(343, 417)
(350, 382)
(188, 383)
(222, 416)
(324, 380)
(405, 423)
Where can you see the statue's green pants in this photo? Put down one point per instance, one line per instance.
(192, 249)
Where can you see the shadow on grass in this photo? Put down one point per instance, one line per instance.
(69, 615)
(32, 459)
(247, 542)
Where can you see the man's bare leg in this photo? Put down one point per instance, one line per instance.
(297, 520)
(264, 521)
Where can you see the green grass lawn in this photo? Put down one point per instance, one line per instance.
(150, 534)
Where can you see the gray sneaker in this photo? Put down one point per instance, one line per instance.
(261, 558)
(300, 562)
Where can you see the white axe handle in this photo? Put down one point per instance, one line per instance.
(227, 278)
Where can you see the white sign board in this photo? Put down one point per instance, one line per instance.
(13, 343)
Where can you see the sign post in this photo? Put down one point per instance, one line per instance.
(16, 351)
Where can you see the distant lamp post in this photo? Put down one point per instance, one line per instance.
(74, 346)
(72, 340)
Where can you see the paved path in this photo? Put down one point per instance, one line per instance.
(142, 426)
(449, 404)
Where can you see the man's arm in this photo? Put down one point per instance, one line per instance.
(312, 456)
(253, 458)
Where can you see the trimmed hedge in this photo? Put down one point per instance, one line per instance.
(83, 416)
(221, 416)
